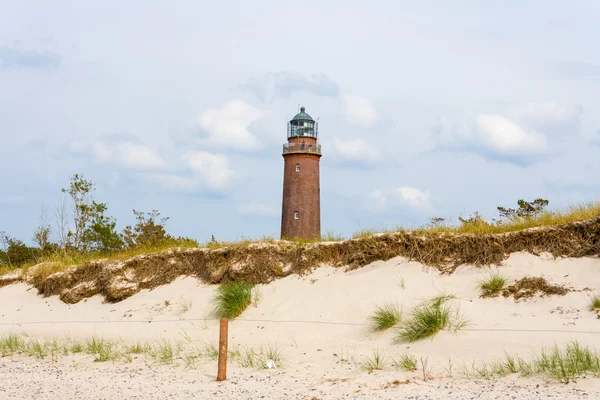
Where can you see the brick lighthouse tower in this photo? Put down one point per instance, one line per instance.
(301, 211)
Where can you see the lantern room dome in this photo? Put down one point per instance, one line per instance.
(302, 116)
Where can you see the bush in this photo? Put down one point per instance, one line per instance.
(148, 231)
(232, 298)
(526, 209)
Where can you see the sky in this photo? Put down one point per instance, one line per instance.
(425, 109)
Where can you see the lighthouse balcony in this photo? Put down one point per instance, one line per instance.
(301, 148)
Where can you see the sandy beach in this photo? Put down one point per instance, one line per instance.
(318, 324)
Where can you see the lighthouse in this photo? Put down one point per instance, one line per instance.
(301, 208)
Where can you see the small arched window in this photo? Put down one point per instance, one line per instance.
(296, 215)
(297, 167)
(302, 146)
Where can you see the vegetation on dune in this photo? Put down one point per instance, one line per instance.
(595, 304)
(492, 285)
(428, 319)
(406, 362)
(87, 233)
(377, 361)
(384, 317)
(565, 365)
(528, 215)
(157, 352)
(531, 286)
(232, 298)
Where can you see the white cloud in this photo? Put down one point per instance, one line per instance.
(413, 196)
(129, 155)
(213, 169)
(261, 210)
(402, 196)
(206, 171)
(357, 150)
(228, 126)
(548, 112)
(359, 110)
(505, 137)
(493, 136)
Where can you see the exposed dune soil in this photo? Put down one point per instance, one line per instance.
(265, 262)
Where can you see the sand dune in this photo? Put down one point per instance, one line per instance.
(319, 323)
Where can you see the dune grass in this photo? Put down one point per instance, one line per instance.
(102, 350)
(492, 285)
(377, 361)
(231, 299)
(428, 319)
(578, 212)
(406, 362)
(595, 303)
(384, 317)
(158, 352)
(565, 365)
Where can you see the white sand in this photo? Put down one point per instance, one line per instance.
(325, 350)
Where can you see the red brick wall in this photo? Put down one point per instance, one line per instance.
(302, 193)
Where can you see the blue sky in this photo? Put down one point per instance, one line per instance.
(425, 108)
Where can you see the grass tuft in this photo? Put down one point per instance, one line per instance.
(101, 349)
(231, 299)
(406, 362)
(595, 303)
(11, 344)
(378, 361)
(493, 285)
(427, 319)
(384, 317)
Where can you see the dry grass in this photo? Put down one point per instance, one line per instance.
(579, 212)
(531, 286)
(443, 248)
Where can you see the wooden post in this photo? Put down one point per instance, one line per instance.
(222, 369)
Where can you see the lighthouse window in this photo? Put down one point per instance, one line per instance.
(296, 215)
(297, 167)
